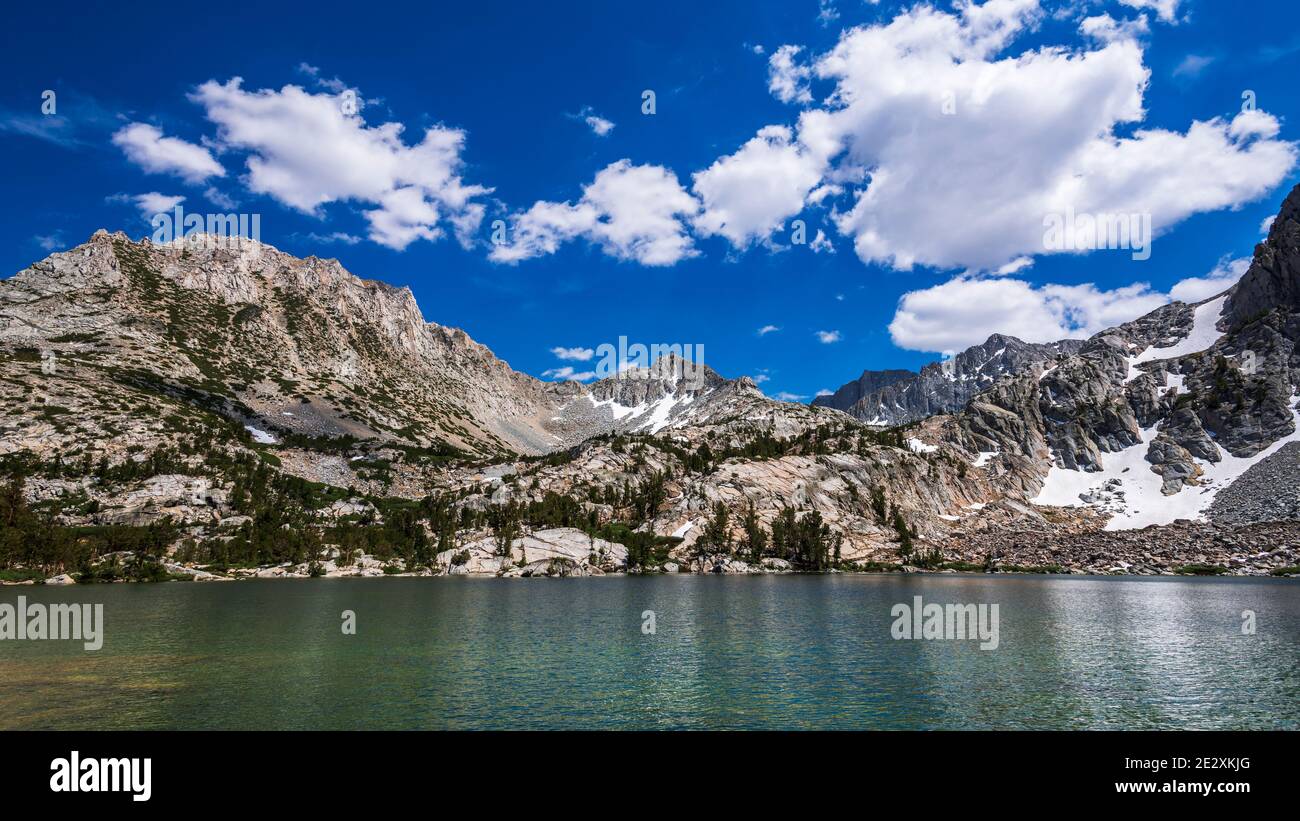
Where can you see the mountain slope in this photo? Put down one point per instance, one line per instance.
(1150, 420)
(898, 397)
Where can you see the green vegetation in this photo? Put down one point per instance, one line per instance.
(1200, 570)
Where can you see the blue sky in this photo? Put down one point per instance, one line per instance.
(925, 145)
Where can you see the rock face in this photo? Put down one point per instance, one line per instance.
(889, 398)
(850, 393)
(561, 551)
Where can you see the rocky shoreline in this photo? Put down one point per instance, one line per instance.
(1184, 548)
(1260, 549)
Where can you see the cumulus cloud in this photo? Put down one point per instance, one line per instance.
(965, 310)
(146, 146)
(1221, 278)
(633, 212)
(828, 337)
(307, 150)
(787, 79)
(786, 396)
(963, 145)
(750, 194)
(575, 354)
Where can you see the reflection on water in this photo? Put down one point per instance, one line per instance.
(745, 652)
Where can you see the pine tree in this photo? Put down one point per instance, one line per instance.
(717, 532)
(755, 536)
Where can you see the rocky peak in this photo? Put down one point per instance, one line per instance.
(942, 387)
(1273, 279)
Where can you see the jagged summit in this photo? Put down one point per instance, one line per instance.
(896, 397)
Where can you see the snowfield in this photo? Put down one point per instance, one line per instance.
(1142, 503)
(1203, 335)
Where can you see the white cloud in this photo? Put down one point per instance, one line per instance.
(767, 329)
(965, 310)
(50, 242)
(599, 125)
(1223, 277)
(920, 111)
(1166, 10)
(149, 203)
(633, 212)
(567, 374)
(786, 396)
(828, 337)
(1107, 29)
(575, 354)
(1267, 224)
(760, 378)
(335, 236)
(826, 12)
(787, 79)
(1192, 65)
(219, 198)
(1014, 266)
(146, 146)
(749, 194)
(307, 150)
(825, 392)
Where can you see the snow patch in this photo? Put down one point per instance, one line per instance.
(1202, 337)
(659, 416)
(1127, 472)
(918, 446)
(261, 437)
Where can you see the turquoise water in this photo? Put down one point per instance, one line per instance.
(728, 652)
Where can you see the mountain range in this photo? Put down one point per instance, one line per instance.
(896, 397)
(144, 383)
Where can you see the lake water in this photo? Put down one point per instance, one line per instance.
(728, 652)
